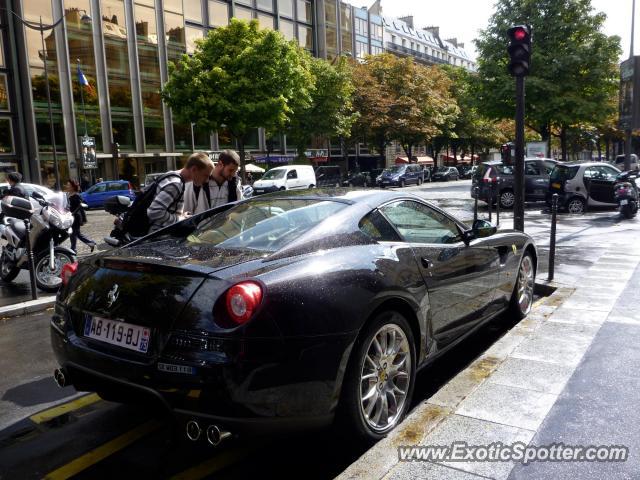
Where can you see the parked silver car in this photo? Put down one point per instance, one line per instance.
(575, 182)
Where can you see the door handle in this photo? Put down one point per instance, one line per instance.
(426, 263)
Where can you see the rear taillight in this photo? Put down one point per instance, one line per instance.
(68, 271)
(242, 300)
(490, 176)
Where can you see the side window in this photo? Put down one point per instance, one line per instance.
(609, 173)
(376, 226)
(98, 189)
(531, 168)
(418, 223)
(114, 187)
(292, 174)
(548, 167)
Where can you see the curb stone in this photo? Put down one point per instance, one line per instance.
(24, 308)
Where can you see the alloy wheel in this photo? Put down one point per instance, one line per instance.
(507, 199)
(385, 377)
(526, 279)
(576, 205)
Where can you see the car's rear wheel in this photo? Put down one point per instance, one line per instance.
(575, 205)
(507, 199)
(419, 181)
(380, 377)
(522, 297)
(402, 183)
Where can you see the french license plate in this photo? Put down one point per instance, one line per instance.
(624, 202)
(556, 185)
(126, 335)
(259, 191)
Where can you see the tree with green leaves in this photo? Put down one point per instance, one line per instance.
(573, 71)
(330, 112)
(239, 78)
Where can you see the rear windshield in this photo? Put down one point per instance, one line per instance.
(265, 225)
(561, 173)
(480, 171)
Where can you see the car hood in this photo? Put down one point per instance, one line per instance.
(264, 184)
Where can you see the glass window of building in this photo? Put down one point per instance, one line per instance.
(285, 8)
(265, 5)
(361, 49)
(286, 28)
(147, 40)
(191, 35)
(265, 21)
(193, 10)
(4, 92)
(305, 37)
(330, 12)
(245, 2)
(332, 39)
(346, 28)
(175, 35)
(6, 136)
(242, 13)
(362, 28)
(218, 13)
(173, 6)
(80, 45)
(304, 11)
(376, 32)
(182, 137)
(225, 140)
(118, 74)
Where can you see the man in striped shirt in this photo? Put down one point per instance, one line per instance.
(167, 205)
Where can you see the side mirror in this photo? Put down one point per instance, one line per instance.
(482, 229)
(37, 195)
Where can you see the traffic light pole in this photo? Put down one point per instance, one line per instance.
(518, 207)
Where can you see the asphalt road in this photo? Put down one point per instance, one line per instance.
(91, 438)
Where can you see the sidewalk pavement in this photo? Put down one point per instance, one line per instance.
(568, 373)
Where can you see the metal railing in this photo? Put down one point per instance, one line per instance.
(414, 53)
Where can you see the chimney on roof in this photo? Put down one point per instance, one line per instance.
(461, 45)
(376, 8)
(408, 20)
(434, 30)
(454, 41)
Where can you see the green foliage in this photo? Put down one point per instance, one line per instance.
(574, 69)
(330, 112)
(239, 77)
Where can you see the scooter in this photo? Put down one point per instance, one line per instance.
(49, 223)
(626, 193)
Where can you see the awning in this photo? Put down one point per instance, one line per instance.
(253, 168)
(424, 160)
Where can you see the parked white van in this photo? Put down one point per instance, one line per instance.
(289, 177)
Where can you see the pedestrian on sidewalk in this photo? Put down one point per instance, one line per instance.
(197, 198)
(167, 206)
(224, 184)
(15, 189)
(79, 216)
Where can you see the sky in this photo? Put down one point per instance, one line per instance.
(463, 19)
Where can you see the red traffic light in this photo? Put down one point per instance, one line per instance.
(520, 34)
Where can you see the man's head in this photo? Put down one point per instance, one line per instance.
(14, 178)
(228, 164)
(198, 168)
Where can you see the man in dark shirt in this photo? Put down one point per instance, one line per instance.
(15, 189)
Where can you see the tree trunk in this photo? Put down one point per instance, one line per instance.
(606, 146)
(454, 150)
(383, 157)
(563, 143)
(240, 140)
(545, 133)
(473, 152)
(599, 145)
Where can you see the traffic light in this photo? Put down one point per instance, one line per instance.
(519, 50)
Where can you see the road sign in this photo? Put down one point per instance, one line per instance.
(629, 112)
(88, 152)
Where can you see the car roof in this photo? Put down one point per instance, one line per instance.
(372, 197)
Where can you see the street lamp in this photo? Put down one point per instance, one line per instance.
(86, 19)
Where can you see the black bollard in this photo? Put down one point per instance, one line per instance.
(552, 240)
(498, 202)
(490, 202)
(475, 204)
(32, 268)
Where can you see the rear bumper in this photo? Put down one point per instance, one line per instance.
(261, 384)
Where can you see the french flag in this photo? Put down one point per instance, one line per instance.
(82, 79)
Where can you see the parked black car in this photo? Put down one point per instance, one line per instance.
(495, 180)
(358, 179)
(402, 175)
(465, 171)
(328, 176)
(291, 308)
(444, 174)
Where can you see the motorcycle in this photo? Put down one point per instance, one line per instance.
(50, 225)
(626, 193)
(118, 206)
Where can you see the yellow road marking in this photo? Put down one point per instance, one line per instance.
(215, 464)
(94, 456)
(67, 407)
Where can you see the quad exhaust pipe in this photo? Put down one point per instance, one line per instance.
(215, 435)
(61, 377)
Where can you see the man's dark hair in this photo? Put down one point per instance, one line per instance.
(227, 157)
(14, 177)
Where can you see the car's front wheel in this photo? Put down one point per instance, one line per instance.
(380, 377)
(575, 205)
(522, 297)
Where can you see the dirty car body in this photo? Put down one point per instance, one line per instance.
(325, 261)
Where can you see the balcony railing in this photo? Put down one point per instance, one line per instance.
(414, 53)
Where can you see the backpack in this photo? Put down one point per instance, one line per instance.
(136, 221)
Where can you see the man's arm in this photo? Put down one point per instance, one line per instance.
(158, 211)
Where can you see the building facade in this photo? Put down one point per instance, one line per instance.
(123, 48)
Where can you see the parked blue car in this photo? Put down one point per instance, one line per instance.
(97, 194)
